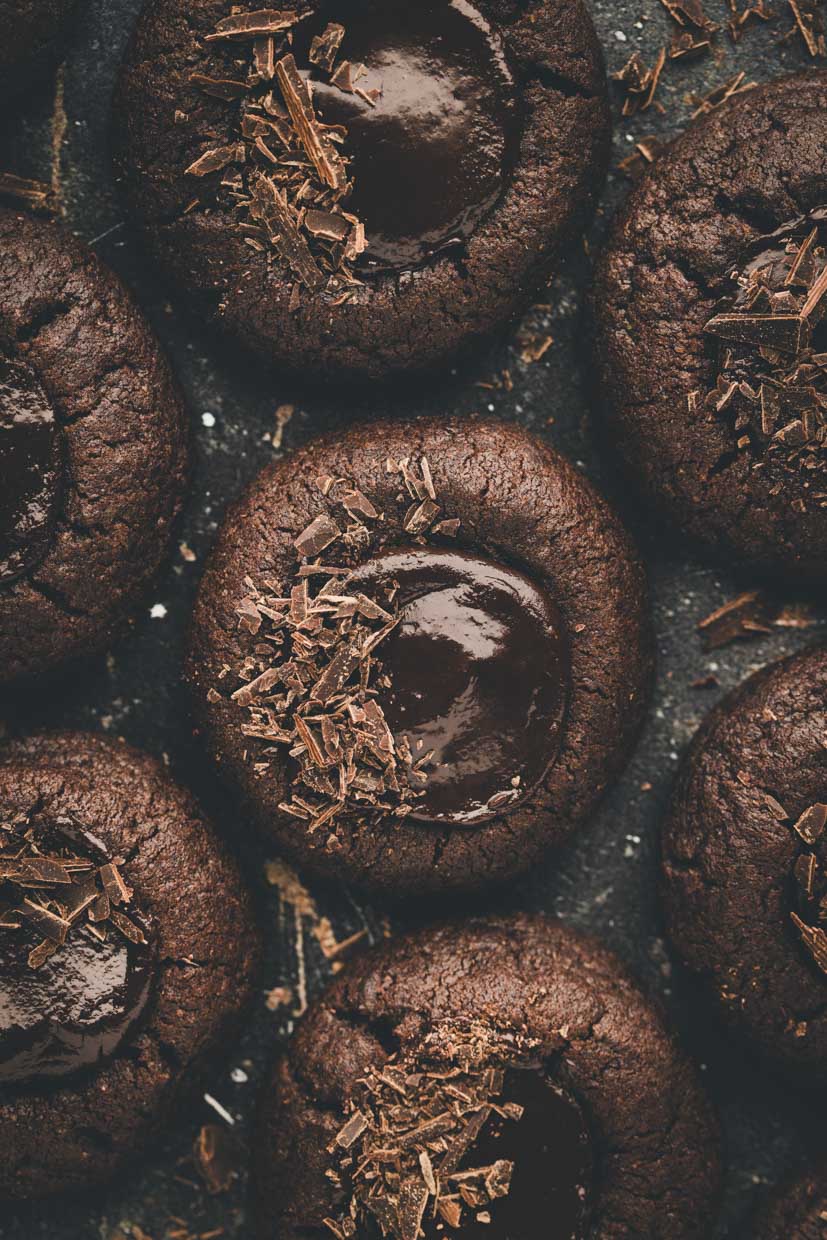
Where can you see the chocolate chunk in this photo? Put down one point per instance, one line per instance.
(216, 159)
(322, 153)
(270, 206)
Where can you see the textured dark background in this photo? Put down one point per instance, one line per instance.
(605, 880)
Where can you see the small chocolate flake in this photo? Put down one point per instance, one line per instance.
(324, 48)
(322, 153)
(810, 826)
(227, 89)
(54, 927)
(814, 939)
(689, 12)
(640, 83)
(127, 927)
(327, 224)
(252, 25)
(740, 618)
(804, 870)
(264, 58)
(776, 808)
(352, 1130)
(319, 535)
(113, 884)
(216, 159)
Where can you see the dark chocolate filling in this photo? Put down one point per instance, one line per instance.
(431, 153)
(77, 1008)
(30, 469)
(550, 1147)
(478, 673)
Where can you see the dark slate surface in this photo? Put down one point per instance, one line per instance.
(605, 880)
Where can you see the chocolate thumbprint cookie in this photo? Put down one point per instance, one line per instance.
(361, 188)
(395, 647)
(498, 1080)
(127, 951)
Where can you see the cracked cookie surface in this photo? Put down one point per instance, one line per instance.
(731, 473)
(79, 1131)
(524, 993)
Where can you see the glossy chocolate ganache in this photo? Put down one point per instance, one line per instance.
(77, 957)
(477, 674)
(427, 99)
(30, 468)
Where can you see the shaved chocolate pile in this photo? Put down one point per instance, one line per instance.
(771, 350)
(286, 176)
(312, 679)
(48, 888)
(461, 1141)
(407, 1138)
(77, 959)
(810, 876)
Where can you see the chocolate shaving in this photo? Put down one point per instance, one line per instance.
(35, 194)
(269, 204)
(318, 536)
(741, 18)
(322, 153)
(640, 83)
(810, 826)
(814, 939)
(327, 224)
(227, 89)
(689, 12)
(743, 617)
(113, 884)
(719, 95)
(253, 25)
(810, 879)
(264, 58)
(642, 157)
(216, 159)
(325, 47)
(809, 22)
